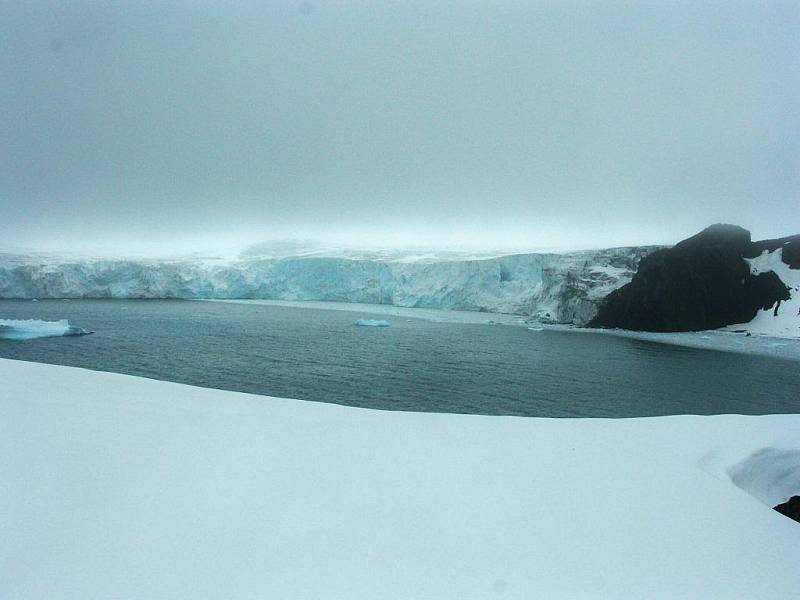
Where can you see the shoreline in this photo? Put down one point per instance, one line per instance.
(715, 339)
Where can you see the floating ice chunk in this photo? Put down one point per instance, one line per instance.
(28, 329)
(372, 323)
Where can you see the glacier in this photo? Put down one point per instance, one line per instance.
(549, 287)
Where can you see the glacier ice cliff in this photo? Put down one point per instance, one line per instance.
(559, 288)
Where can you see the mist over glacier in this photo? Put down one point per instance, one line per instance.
(170, 128)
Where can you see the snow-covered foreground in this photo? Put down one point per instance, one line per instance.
(119, 487)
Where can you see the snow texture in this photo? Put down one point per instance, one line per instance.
(782, 320)
(558, 288)
(120, 487)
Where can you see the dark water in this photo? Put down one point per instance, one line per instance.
(413, 365)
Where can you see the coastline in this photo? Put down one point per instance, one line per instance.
(715, 339)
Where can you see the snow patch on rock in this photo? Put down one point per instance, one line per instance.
(782, 319)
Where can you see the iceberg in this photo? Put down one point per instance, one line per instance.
(372, 323)
(28, 329)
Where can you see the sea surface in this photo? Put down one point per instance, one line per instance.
(415, 364)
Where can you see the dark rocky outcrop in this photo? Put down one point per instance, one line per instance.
(791, 508)
(701, 283)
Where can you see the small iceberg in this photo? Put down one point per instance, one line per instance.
(29, 329)
(372, 323)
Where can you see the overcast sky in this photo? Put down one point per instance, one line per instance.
(175, 125)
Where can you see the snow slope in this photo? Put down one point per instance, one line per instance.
(562, 288)
(782, 320)
(119, 487)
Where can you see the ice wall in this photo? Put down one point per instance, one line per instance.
(562, 288)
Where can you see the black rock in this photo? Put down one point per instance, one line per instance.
(791, 508)
(701, 283)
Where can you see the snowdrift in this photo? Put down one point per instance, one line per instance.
(120, 487)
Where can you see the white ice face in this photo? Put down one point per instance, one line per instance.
(559, 288)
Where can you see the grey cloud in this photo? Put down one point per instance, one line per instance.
(514, 123)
